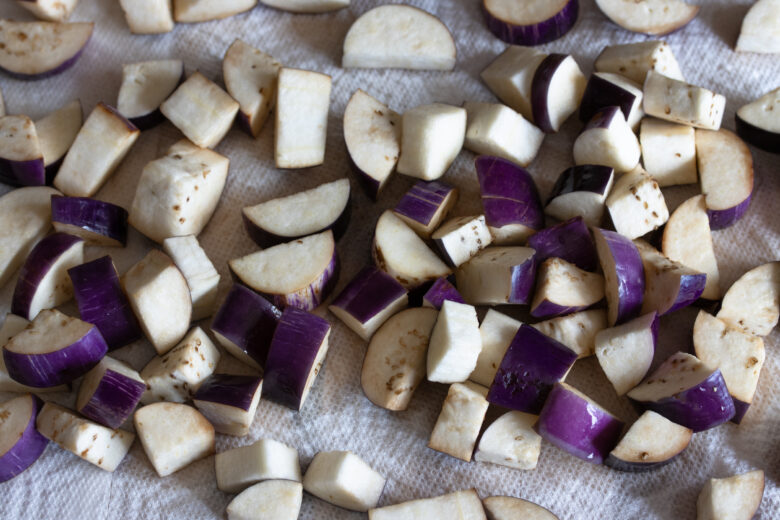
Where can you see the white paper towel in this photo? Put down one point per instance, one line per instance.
(337, 415)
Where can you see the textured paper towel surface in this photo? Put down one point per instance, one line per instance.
(337, 416)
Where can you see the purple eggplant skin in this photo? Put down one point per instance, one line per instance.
(628, 466)
(578, 426)
(294, 348)
(721, 219)
(534, 34)
(102, 302)
(690, 289)
(59, 69)
(52, 170)
(602, 118)
(758, 137)
(44, 254)
(92, 215)
(440, 291)
(630, 274)
(22, 173)
(247, 320)
(547, 309)
(570, 240)
(539, 91)
(522, 283)
(509, 194)
(740, 409)
(26, 450)
(423, 200)
(586, 177)
(229, 390)
(600, 94)
(114, 399)
(532, 365)
(368, 294)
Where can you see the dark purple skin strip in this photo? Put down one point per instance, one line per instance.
(65, 65)
(423, 200)
(570, 240)
(758, 137)
(92, 215)
(102, 302)
(503, 212)
(601, 93)
(154, 118)
(547, 309)
(740, 409)
(370, 292)
(316, 296)
(52, 169)
(113, 111)
(440, 291)
(535, 34)
(22, 173)
(540, 87)
(630, 274)
(522, 282)
(602, 119)
(630, 466)
(229, 390)
(533, 363)
(26, 450)
(266, 239)
(587, 177)
(114, 399)
(690, 289)
(721, 219)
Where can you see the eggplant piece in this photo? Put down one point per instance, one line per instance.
(581, 191)
(606, 89)
(148, 16)
(98, 149)
(738, 355)
(229, 402)
(386, 380)
(173, 436)
(679, 102)
(21, 157)
(460, 505)
(96, 444)
(295, 358)
(401, 37)
(431, 138)
(56, 134)
(250, 77)
(20, 442)
(654, 17)
(12, 326)
(305, 213)
(307, 6)
(102, 302)
(372, 133)
(737, 497)
(532, 365)
(455, 344)
(43, 281)
(635, 60)
(460, 238)
(497, 331)
(626, 352)
(441, 291)
(752, 303)
(530, 23)
(98, 223)
(636, 204)
(623, 274)
(570, 241)
(47, 48)
(577, 331)
(510, 508)
(760, 28)
(497, 130)
(50, 10)
(650, 443)
(687, 392)
(573, 422)
(498, 275)
(511, 441)
(563, 288)
(460, 420)
(556, 91)
(302, 105)
(269, 500)
(202, 278)
(758, 123)
(345, 480)
(426, 205)
(726, 175)
(608, 140)
(193, 11)
(145, 86)
(110, 392)
(668, 152)
(510, 77)
(669, 285)
(265, 459)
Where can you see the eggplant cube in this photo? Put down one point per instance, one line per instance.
(110, 392)
(496, 129)
(431, 138)
(179, 372)
(511, 441)
(577, 331)
(22, 443)
(556, 91)
(605, 89)
(608, 140)
(178, 193)
(50, 10)
(145, 86)
(497, 331)
(441, 291)
(511, 508)
(635, 60)
(173, 435)
(510, 77)
(757, 124)
(570, 241)
(636, 204)
(563, 288)
(202, 278)
(148, 16)
(460, 238)
(266, 459)
(581, 191)
(760, 29)
(99, 147)
(160, 298)
(460, 505)
(455, 344)
(21, 157)
(651, 442)
(229, 402)
(426, 205)
(626, 352)
(752, 303)
(624, 275)
(98, 223)
(679, 102)
(668, 152)
(498, 275)
(460, 420)
(344, 479)
(733, 498)
(268, 500)
(669, 285)
(193, 11)
(98, 445)
(12, 326)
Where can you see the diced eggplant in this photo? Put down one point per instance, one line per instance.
(431, 138)
(43, 281)
(145, 86)
(295, 358)
(441, 291)
(426, 205)
(752, 303)
(654, 17)
(511, 508)
(98, 445)
(202, 278)
(193, 11)
(497, 331)
(20, 442)
(669, 285)
(581, 191)
(577, 331)
(160, 298)
(556, 91)
(398, 36)
(510, 77)
(173, 435)
(563, 288)
(726, 174)
(736, 498)
(651, 442)
(266, 459)
(460, 420)
(608, 140)
(498, 275)
(98, 223)
(636, 204)
(345, 480)
(386, 380)
(50, 10)
(758, 123)
(101, 144)
(460, 505)
(530, 23)
(760, 28)
(532, 365)
(687, 392)
(513, 209)
(455, 344)
(511, 441)
(738, 355)
(306, 6)
(148, 16)
(573, 422)
(606, 89)
(626, 352)
(372, 133)
(21, 157)
(229, 402)
(269, 500)
(110, 392)
(680, 102)
(56, 133)
(687, 239)
(570, 241)
(635, 60)
(250, 78)
(12, 326)
(460, 238)
(102, 302)
(623, 274)
(302, 105)
(668, 152)
(37, 50)
(497, 130)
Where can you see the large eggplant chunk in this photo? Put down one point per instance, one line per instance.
(668, 151)
(752, 303)
(636, 204)
(635, 60)
(760, 28)
(455, 344)
(250, 78)
(737, 497)
(431, 138)
(556, 91)
(148, 16)
(679, 102)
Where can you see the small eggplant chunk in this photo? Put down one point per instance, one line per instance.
(50, 10)
(510, 77)
(455, 344)
(148, 16)
(21, 156)
(636, 204)
(609, 141)
(577, 331)
(266, 459)
(498, 275)
(758, 122)
(460, 420)
(12, 326)
(20, 442)
(623, 274)
(345, 480)
(497, 331)
(570, 241)
(626, 352)
(563, 288)
(145, 86)
(669, 285)
(556, 91)
(229, 402)
(268, 500)
(110, 392)
(511, 441)
(202, 278)
(431, 138)
(668, 152)
(460, 238)
(760, 28)
(733, 498)
(635, 60)
(752, 303)
(460, 505)
(605, 89)
(426, 205)
(497, 130)
(581, 191)
(651, 442)
(679, 102)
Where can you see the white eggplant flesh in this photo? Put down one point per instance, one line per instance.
(635, 60)
(626, 352)
(497, 130)
(752, 303)
(269, 500)
(307, 6)
(229, 402)
(761, 28)
(266, 459)
(636, 204)
(145, 86)
(510, 77)
(734, 498)
(193, 11)
(148, 16)
(498, 275)
(669, 285)
(455, 344)
(511, 508)
(20, 442)
(577, 331)
(110, 392)
(556, 91)
(511, 441)
(460, 420)
(460, 505)
(607, 140)
(497, 331)
(460, 238)
(651, 442)
(668, 152)
(50, 10)
(57, 131)
(202, 278)
(680, 102)
(38, 50)
(344, 479)
(563, 288)
(758, 122)
(654, 17)
(431, 138)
